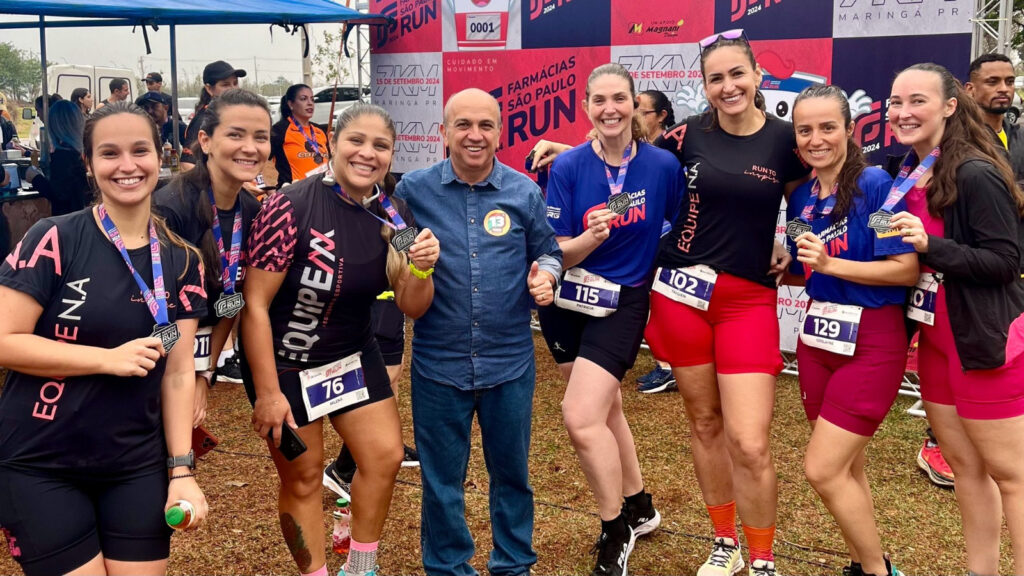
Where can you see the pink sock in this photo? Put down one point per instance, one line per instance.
(362, 556)
(321, 572)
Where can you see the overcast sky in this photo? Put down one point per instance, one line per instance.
(249, 47)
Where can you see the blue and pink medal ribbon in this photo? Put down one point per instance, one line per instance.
(156, 299)
(310, 140)
(404, 237)
(615, 185)
(905, 180)
(229, 260)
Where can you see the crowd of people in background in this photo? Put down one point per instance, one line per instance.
(310, 279)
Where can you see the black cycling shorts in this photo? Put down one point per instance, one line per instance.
(378, 385)
(388, 324)
(55, 523)
(611, 342)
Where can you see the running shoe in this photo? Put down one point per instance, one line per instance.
(930, 460)
(612, 554)
(411, 458)
(664, 381)
(762, 568)
(367, 573)
(643, 519)
(854, 569)
(334, 482)
(650, 375)
(893, 571)
(725, 559)
(231, 371)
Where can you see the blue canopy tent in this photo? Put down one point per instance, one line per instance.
(289, 14)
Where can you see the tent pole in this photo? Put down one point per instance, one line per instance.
(43, 138)
(174, 89)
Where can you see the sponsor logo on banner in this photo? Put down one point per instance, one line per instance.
(775, 19)
(539, 93)
(409, 87)
(636, 22)
(562, 23)
(415, 26)
(865, 18)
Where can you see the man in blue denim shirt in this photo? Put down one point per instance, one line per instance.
(473, 349)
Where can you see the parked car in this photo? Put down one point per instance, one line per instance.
(346, 96)
(1013, 114)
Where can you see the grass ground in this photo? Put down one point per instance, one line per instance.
(919, 522)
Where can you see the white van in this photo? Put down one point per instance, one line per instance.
(64, 78)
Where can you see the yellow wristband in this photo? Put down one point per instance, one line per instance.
(421, 274)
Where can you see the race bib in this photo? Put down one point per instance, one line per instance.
(922, 298)
(832, 327)
(201, 349)
(333, 386)
(692, 285)
(588, 293)
(483, 26)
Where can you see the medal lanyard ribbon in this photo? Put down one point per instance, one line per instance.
(156, 299)
(616, 184)
(311, 139)
(396, 222)
(906, 179)
(807, 214)
(228, 261)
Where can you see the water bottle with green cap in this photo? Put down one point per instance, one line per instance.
(181, 515)
(341, 538)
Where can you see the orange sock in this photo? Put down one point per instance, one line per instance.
(759, 542)
(723, 517)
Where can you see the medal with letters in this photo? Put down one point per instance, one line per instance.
(692, 285)
(405, 235)
(229, 303)
(832, 327)
(617, 201)
(333, 386)
(587, 293)
(156, 299)
(879, 220)
(802, 223)
(923, 297)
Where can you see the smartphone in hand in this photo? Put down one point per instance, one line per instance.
(291, 445)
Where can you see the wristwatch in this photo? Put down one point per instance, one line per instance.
(186, 460)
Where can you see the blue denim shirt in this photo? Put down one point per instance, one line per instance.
(476, 333)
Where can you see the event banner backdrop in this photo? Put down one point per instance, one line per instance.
(534, 56)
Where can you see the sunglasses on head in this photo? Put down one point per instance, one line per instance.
(734, 34)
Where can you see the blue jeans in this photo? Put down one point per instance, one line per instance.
(442, 419)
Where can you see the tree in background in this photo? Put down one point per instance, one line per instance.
(327, 66)
(20, 74)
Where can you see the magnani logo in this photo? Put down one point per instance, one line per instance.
(741, 8)
(667, 28)
(539, 8)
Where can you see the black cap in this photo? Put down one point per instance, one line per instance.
(154, 77)
(151, 96)
(219, 70)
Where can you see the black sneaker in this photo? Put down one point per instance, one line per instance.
(643, 519)
(854, 569)
(335, 483)
(231, 371)
(411, 459)
(612, 554)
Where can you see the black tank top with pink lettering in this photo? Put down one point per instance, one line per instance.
(96, 425)
(334, 260)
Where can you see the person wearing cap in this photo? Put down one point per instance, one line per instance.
(155, 104)
(218, 77)
(155, 83)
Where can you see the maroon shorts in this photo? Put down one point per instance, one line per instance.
(739, 332)
(977, 394)
(856, 392)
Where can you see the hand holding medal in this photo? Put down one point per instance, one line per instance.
(811, 252)
(911, 229)
(425, 250)
(598, 223)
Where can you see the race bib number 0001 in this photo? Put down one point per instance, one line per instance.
(692, 285)
(483, 26)
(832, 327)
(333, 386)
(588, 293)
(923, 297)
(201, 348)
